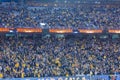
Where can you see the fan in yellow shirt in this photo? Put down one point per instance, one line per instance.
(58, 62)
(83, 46)
(1, 75)
(22, 75)
(73, 65)
(14, 70)
(8, 68)
(91, 66)
(23, 65)
(67, 74)
(37, 64)
(17, 65)
(54, 72)
(38, 74)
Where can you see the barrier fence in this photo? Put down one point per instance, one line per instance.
(39, 30)
(94, 77)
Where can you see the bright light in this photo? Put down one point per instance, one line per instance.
(11, 30)
(42, 24)
(75, 32)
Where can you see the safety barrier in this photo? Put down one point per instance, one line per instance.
(81, 77)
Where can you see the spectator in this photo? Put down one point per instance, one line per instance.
(89, 17)
(58, 57)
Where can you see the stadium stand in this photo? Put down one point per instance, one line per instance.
(58, 57)
(89, 17)
(57, 41)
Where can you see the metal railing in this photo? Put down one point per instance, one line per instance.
(80, 77)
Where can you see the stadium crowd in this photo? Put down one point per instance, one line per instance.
(85, 17)
(45, 57)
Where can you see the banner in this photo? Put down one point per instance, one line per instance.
(60, 30)
(29, 30)
(89, 31)
(114, 31)
(4, 29)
